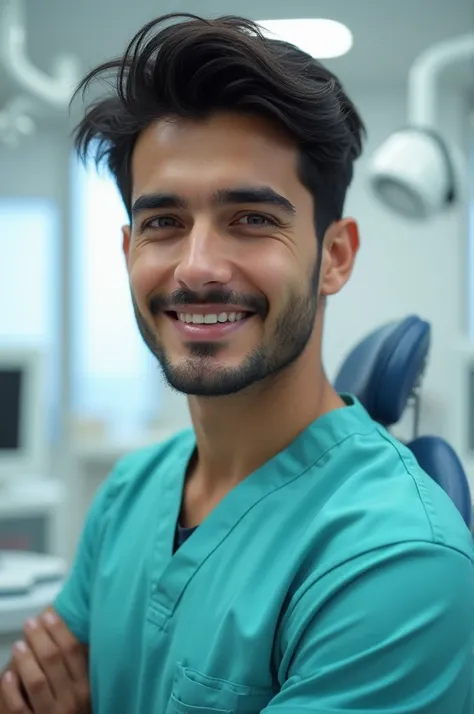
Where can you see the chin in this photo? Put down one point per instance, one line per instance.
(208, 377)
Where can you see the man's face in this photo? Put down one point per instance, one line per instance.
(222, 252)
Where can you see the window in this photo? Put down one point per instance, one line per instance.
(29, 285)
(115, 378)
(470, 257)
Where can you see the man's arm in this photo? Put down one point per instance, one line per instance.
(52, 671)
(389, 632)
(11, 667)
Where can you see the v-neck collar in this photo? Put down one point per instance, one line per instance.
(173, 570)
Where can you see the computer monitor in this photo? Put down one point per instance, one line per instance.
(22, 414)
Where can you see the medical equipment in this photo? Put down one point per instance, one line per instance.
(417, 172)
(38, 91)
(22, 414)
(29, 581)
(384, 371)
(29, 498)
(56, 89)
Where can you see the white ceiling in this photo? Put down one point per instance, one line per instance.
(388, 34)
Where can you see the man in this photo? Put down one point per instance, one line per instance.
(286, 555)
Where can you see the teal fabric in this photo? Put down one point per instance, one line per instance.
(336, 578)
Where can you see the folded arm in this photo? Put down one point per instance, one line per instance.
(51, 672)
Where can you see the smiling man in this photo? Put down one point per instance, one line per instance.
(218, 250)
(286, 554)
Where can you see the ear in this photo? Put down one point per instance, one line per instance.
(340, 247)
(126, 238)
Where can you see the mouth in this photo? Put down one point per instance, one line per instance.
(208, 325)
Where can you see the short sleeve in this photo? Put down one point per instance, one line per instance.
(389, 632)
(73, 602)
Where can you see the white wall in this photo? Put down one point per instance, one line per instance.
(406, 268)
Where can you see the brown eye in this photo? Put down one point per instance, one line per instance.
(256, 220)
(160, 223)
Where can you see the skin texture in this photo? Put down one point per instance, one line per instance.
(257, 255)
(49, 675)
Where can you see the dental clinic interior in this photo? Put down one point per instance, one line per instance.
(78, 387)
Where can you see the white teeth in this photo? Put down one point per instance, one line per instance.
(210, 319)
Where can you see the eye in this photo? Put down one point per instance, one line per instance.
(160, 222)
(256, 220)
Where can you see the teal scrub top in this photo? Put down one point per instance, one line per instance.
(338, 577)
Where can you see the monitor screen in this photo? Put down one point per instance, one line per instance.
(22, 422)
(11, 384)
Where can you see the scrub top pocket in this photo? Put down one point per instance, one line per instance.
(197, 693)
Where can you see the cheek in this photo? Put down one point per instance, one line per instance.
(146, 274)
(277, 275)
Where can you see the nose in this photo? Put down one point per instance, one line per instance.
(204, 261)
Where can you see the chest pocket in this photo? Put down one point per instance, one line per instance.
(196, 693)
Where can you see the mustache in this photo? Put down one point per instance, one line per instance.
(217, 296)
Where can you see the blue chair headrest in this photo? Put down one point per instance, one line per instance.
(437, 458)
(385, 367)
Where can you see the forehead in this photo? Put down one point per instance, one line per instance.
(186, 155)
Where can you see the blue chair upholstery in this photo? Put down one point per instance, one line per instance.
(440, 461)
(383, 372)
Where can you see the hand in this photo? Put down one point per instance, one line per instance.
(49, 673)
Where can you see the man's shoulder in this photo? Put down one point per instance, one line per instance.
(370, 508)
(391, 499)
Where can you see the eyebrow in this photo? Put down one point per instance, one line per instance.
(221, 197)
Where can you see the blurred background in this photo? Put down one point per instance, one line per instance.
(77, 387)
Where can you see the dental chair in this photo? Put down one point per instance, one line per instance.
(384, 372)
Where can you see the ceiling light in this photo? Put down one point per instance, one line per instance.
(321, 39)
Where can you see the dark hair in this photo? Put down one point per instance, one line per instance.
(196, 67)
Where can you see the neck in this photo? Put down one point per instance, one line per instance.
(237, 434)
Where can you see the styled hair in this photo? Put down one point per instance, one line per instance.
(181, 65)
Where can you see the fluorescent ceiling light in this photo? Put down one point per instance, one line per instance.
(321, 39)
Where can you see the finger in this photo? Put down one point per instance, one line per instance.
(74, 652)
(12, 697)
(33, 679)
(48, 655)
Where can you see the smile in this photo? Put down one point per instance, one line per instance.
(198, 324)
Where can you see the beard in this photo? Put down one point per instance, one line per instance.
(201, 375)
